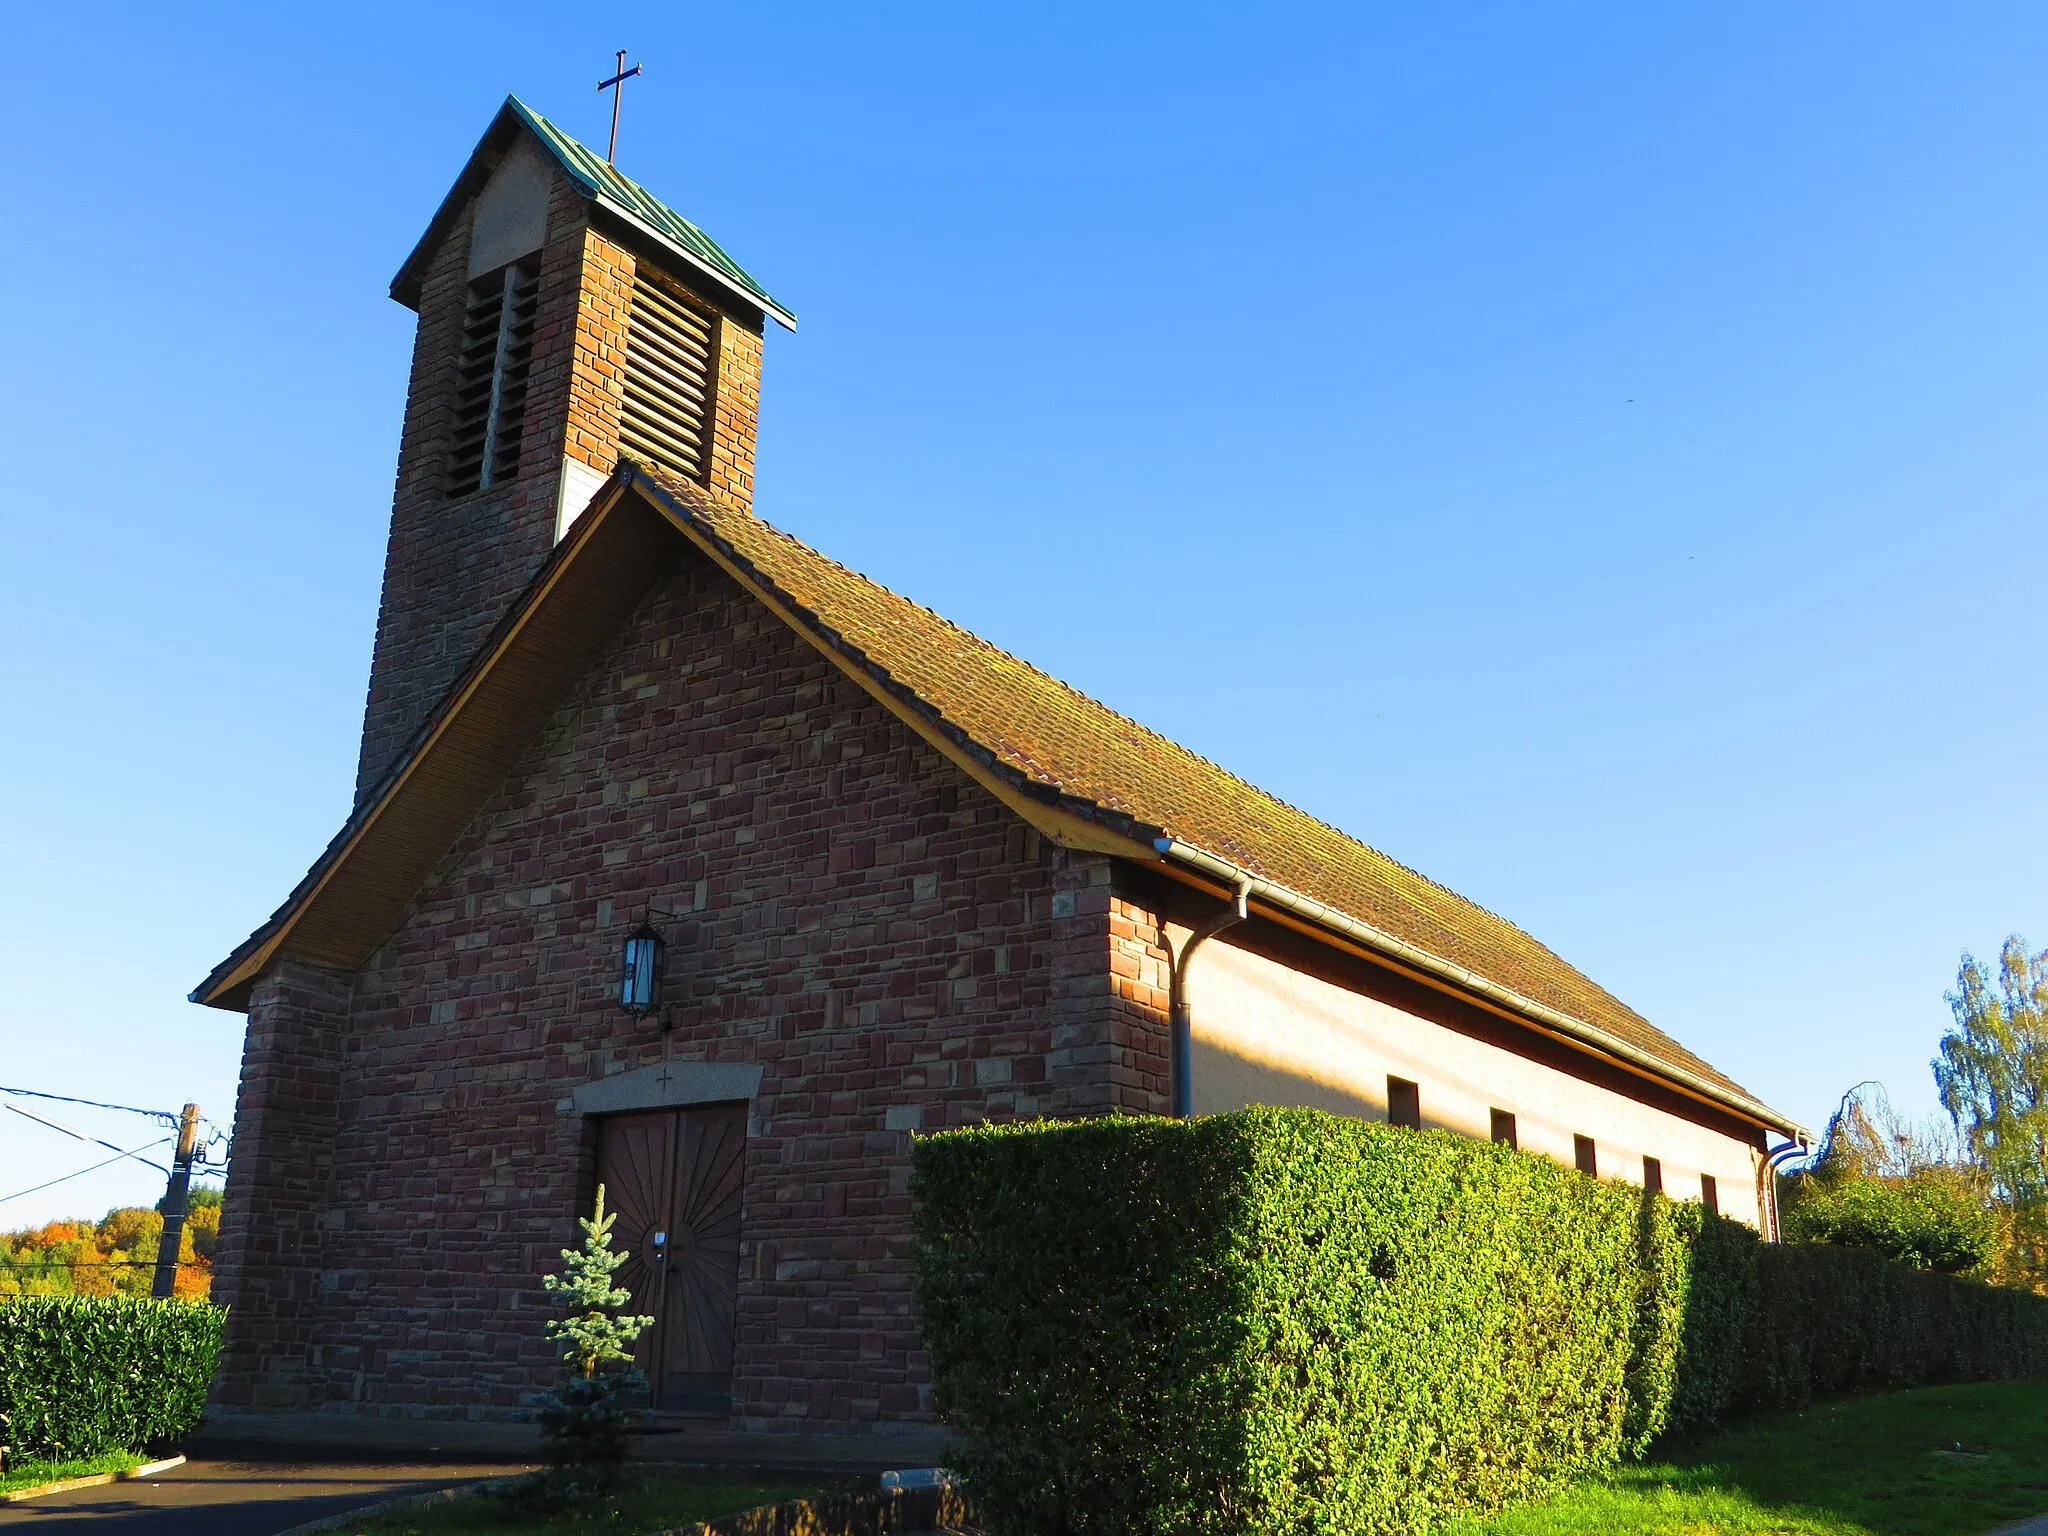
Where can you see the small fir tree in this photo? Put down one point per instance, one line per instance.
(585, 1417)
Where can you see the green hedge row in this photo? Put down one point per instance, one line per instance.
(84, 1375)
(1850, 1320)
(1769, 1325)
(1283, 1321)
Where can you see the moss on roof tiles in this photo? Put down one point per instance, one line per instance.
(1057, 737)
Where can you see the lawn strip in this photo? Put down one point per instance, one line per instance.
(22, 1475)
(1939, 1461)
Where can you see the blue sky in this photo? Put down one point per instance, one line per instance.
(1592, 453)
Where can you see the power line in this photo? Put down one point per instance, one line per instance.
(218, 1137)
(128, 1109)
(80, 1136)
(24, 1263)
(95, 1168)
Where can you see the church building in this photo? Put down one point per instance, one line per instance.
(686, 861)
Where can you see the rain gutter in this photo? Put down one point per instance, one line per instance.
(1578, 1030)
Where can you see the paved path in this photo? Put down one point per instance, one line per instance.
(231, 1498)
(333, 1437)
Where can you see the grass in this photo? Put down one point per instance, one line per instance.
(22, 1474)
(646, 1501)
(1941, 1461)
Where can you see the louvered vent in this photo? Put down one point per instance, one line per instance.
(668, 381)
(490, 389)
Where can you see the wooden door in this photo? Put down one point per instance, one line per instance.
(673, 1176)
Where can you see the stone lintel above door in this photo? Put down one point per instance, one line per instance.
(668, 1086)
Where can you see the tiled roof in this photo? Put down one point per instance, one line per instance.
(1043, 745)
(1059, 741)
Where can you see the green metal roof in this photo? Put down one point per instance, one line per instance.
(625, 196)
(602, 184)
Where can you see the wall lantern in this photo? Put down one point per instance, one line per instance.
(640, 970)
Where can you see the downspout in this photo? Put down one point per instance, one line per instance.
(1778, 1156)
(1177, 994)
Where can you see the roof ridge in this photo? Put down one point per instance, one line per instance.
(1029, 735)
(667, 482)
(606, 182)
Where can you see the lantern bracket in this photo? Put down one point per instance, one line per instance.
(640, 977)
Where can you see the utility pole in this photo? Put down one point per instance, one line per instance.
(174, 1204)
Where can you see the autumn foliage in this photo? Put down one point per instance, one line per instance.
(114, 1256)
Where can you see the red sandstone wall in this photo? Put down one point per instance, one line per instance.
(453, 565)
(281, 1186)
(888, 942)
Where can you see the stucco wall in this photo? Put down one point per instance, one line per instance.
(1267, 1034)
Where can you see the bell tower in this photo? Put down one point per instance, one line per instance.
(567, 318)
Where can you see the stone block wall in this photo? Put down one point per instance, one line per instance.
(736, 412)
(453, 565)
(281, 1188)
(893, 947)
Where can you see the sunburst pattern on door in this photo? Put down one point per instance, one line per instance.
(635, 1164)
(674, 1176)
(701, 1306)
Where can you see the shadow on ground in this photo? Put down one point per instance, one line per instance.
(1938, 1461)
(232, 1498)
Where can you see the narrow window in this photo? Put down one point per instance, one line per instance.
(1584, 1158)
(1710, 1194)
(490, 379)
(1653, 1176)
(1504, 1128)
(1404, 1103)
(668, 380)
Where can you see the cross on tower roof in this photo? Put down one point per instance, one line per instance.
(617, 86)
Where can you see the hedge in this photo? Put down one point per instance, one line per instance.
(1283, 1321)
(1934, 1219)
(84, 1375)
(1851, 1320)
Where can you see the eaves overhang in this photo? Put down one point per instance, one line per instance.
(1316, 917)
(369, 877)
(619, 196)
(371, 874)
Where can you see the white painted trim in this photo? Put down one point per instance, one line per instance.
(578, 484)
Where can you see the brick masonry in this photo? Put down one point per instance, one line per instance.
(285, 1122)
(890, 944)
(453, 564)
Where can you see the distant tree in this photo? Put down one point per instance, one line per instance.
(1906, 1190)
(115, 1255)
(46, 1260)
(202, 1226)
(1993, 1070)
(1936, 1219)
(198, 1197)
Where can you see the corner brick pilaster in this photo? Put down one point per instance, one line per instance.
(285, 1120)
(1110, 1033)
